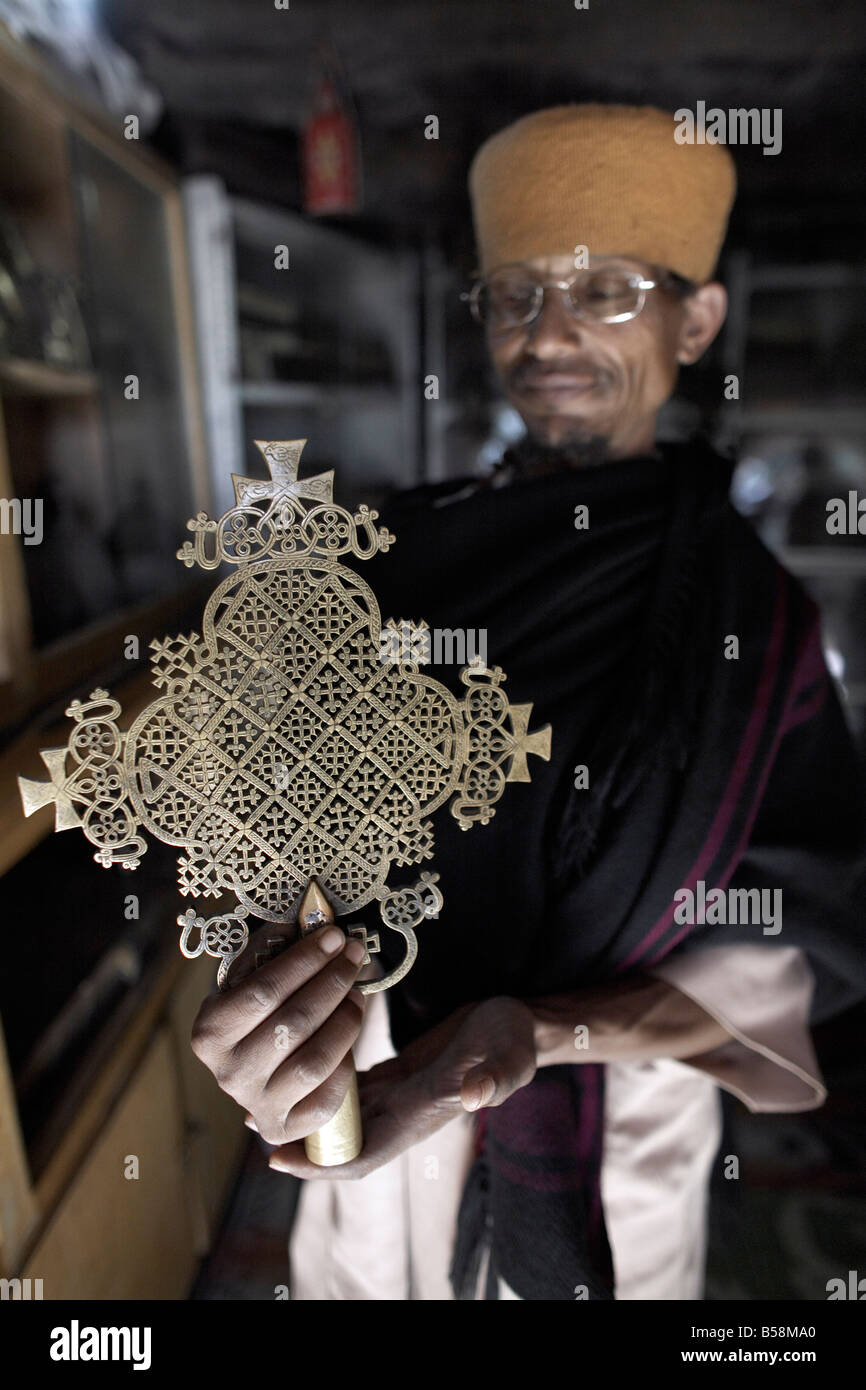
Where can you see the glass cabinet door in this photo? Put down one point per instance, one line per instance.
(138, 507)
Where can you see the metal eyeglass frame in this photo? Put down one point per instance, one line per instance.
(635, 279)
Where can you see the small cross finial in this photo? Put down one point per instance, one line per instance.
(537, 742)
(283, 457)
(35, 795)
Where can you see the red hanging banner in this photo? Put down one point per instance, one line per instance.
(330, 156)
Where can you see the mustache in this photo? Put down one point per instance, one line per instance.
(528, 371)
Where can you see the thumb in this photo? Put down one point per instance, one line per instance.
(493, 1052)
(509, 1064)
(478, 1088)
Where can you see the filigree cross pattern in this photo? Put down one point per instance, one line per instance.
(283, 748)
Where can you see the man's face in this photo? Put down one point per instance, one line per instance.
(577, 383)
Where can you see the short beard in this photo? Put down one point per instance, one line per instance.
(582, 451)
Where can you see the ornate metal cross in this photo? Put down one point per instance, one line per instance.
(282, 747)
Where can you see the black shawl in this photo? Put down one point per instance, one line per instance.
(736, 772)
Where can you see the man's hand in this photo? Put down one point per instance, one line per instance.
(278, 1041)
(479, 1056)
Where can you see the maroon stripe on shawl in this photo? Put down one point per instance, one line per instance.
(739, 773)
(811, 668)
(480, 1132)
(808, 709)
(803, 676)
(810, 661)
(533, 1121)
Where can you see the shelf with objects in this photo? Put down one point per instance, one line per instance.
(794, 343)
(305, 331)
(101, 460)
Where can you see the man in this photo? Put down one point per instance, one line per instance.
(658, 911)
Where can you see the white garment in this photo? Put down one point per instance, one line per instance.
(389, 1236)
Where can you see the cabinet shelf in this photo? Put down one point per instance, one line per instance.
(327, 348)
(22, 377)
(301, 393)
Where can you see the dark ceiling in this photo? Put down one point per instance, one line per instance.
(237, 80)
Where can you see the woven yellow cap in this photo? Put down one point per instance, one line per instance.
(611, 178)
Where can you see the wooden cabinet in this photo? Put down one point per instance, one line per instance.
(100, 423)
(89, 1228)
(214, 1130)
(124, 1228)
(101, 442)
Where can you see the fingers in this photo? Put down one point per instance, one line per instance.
(292, 1159)
(318, 1104)
(497, 1053)
(385, 1136)
(290, 1030)
(487, 1056)
(405, 1117)
(226, 1018)
(284, 1035)
(310, 1075)
(260, 945)
(279, 1124)
(492, 1084)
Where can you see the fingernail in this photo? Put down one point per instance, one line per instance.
(355, 952)
(480, 1093)
(358, 998)
(331, 940)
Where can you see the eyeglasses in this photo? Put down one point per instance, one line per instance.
(512, 295)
